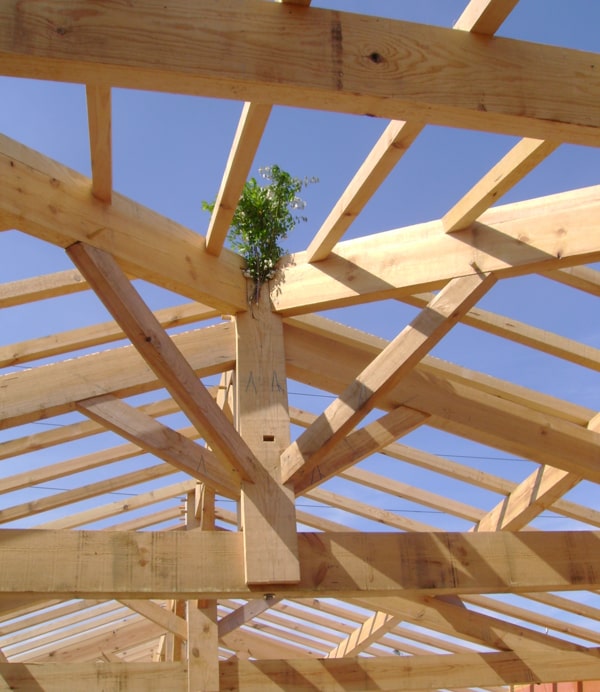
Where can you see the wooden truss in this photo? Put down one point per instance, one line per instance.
(194, 594)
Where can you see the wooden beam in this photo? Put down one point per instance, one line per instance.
(528, 500)
(202, 628)
(50, 677)
(100, 126)
(385, 484)
(583, 278)
(369, 631)
(461, 80)
(41, 287)
(560, 230)
(162, 355)
(114, 509)
(53, 389)
(267, 506)
(360, 444)
(512, 168)
(43, 196)
(449, 617)
(245, 143)
(484, 16)
(389, 149)
(162, 441)
(458, 400)
(367, 511)
(452, 470)
(199, 564)
(73, 431)
(410, 672)
(522, 333)
(384, 373)
(84, 492)
(532, 496)
(85, 337)
(244, 613)
(160, 616)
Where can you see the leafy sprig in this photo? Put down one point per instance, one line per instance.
(265, 216)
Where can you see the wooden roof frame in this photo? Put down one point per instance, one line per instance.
(246, 600)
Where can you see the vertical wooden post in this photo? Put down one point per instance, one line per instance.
(267, 507)
(203, 637)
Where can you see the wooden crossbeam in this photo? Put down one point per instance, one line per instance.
(162, 355)
(500, 85)
(253, 121)
(199, 564)
(160, 616)
(162, 441)
(531, 497)
(100, 127)
(583, 278)
(244, 613)
(50, 677)
(112, 509)
(384, 373)
(481, 409)
(528, 500)
(450, 617)
(84, 492)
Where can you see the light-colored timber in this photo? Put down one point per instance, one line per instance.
(378, 470)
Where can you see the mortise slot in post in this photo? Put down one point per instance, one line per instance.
(268, 438)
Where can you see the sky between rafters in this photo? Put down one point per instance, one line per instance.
(170, 151)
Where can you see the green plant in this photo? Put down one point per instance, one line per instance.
(264, 216)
